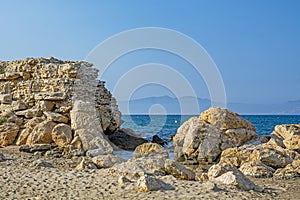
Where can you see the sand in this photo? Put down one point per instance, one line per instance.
(21, 179)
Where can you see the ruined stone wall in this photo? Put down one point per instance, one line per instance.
(37, 97)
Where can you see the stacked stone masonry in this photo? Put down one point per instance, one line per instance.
(46, 100)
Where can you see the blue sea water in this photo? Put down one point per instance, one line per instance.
(165, 126)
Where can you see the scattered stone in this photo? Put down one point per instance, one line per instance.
(18, 105)
(219, 169)
(177, 170)
(122, 180)
(290, 171)
(147, 183)
(2, 158)
(41, 163)
(106, 161)
(42, 133)
(85, 164)
(56, 117)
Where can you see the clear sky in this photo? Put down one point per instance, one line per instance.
(255, 44)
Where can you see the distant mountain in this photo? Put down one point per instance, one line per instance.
(187, 105)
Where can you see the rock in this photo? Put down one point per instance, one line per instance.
(46, 105)
(5, 98)
(56, 117)
(18, 105)
(11, 118)
(225, 119)
(149, 149)
(148, 183)
(129, 169)
(290, 133)
(158, 140)
(218, 169)
(125, 141)
(76, 142)
(62, 135)
(106, 161)
(8, 133)
(197, 140)
(257, 170)
(236, 178)
(151, 165)
(29, 113)
(29, 126)
(122, 180)
(292, 170)
(85, 164)
(42, 133)
(51, 96)
(178, 171)
(234, 157)
(236, 137)
(270, 157)
(2, 158)
(41, 163)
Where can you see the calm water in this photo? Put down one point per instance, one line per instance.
(165, 126)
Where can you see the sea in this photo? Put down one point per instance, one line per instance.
(166, 126)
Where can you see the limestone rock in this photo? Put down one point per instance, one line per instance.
(149, 149)
(148, 183)
(218, 169)
(236, 178)
(2, 158)
(129, 169)
(197, 140)
(151, 165)
(85, 164)
(225, 119)
(18, 105)
(56, 117)
(257, 170)
(35, 148)
(42, 133)
(106, 161)
(76, 142)
(290, 171)
(290, 133)
(5, 98)
(122, 180)
(29, 126)
(177, 170)
(29, 113)
(41, 163)
(46, 105)
(62, 135)
(270, 157)
(236, 137)
(8, 133)
(235, 157)
(125, 140)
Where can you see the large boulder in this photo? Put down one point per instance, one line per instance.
(147, 183)
(290, 134)
(29, 126)
(42, 133)
(62, 135)
(204, 138)
(257, 170)
(290, 171)
(8, 133)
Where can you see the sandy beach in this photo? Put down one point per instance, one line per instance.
(21, 178)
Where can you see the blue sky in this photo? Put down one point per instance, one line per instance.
(255, 44)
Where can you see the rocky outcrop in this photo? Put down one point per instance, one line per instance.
(150, 149)
(203, 139)
(45, 100)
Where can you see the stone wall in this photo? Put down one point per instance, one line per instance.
(37, 98)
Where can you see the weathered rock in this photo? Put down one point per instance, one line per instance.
(257, 170)
(62, 135)
(2, 158)
(149, 149)
(18, 105)
(270, 157)
(41, 163)
(11, 118)
(106, 161)
(235, 157)
(56, 117)
(147, 183)
(236, 137)
(151, 165)
(225, 119)
(126, 141)
(85, 164)
(177, 170)
(5, 98)
(236, 178)
(46, 105)
(76, 142)
(197, 140)
(29, 126)
(122, 180)
(35, 147)
(29, 113)
(219, 169)
(129, 169)
(290, 171)
(290, 133)
(42, 133)
(8, 133)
